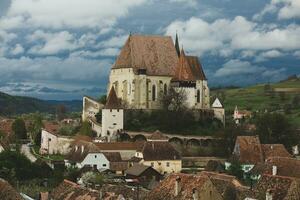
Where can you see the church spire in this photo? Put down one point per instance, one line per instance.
(177, 45)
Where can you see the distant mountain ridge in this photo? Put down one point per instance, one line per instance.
(12, 105)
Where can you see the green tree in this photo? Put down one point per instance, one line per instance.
(102, 99)
(36, 126)
(275, 128)
(296, 101)
(19, 129)
(235, 169)
(86, 129)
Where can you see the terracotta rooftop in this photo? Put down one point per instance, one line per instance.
(156, 54)
(5, 126)
(112, 100)
(278, 150)
(51, 127)
(184, 71)
(7, 192)
(285, 167)
(248, 149)
(157, 135)
(166, 189)
(159, 151)
(68, 190)
(80, 149)
(196, 67)
(136, 169)
(281, 187)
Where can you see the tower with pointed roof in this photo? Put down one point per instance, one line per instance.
(112, 116)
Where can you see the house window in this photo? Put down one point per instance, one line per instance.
(168, 164)
(95, 156)
(165, 89)
(152, 164)
(95, 166)
(153, 93)
(104, 165)
(198, 96)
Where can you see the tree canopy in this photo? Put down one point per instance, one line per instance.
(19, 129)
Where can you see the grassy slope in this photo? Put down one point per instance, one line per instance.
(254, 98)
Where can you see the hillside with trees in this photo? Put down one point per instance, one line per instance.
(282, 97)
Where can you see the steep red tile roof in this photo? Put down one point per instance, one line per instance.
(68, 190)
(278, 150)
(184, 71)
(285, 166)
(188, 182)
(51, 127)
(156, 54)
(159, 151)
(281, 187)
(157, 135)
(5, 126)
(7, 192)
(196, 67)
(112, 100)
(77, 155)
(248, 149)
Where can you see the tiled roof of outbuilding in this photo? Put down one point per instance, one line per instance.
(159, 151)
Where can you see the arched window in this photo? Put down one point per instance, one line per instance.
(198, 96)
(153, 93)
(165, 89)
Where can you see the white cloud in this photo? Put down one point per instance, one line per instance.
(297, 54)
(285, 9)
(116, 41)
(70, 13)
(237, 69)
(190, 3)
(72, 70)
(17, 50)
(52, 43)
(268, 54)
(223, 35)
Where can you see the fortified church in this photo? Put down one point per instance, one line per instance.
(144, 71)
(148, 65)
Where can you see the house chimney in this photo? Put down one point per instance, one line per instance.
(269, 195)
(177, 185)
(82, 148)
(195, 194)
(274, 170)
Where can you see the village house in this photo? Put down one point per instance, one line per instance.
(162, 156)
(52, 142)
(239, 115)
(185, 186)
(145, 175)
(249, 152)
(273, 187)
(281, 166)
(225, 183)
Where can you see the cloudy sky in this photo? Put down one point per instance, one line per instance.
(63, 49)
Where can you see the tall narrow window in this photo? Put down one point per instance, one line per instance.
(198, 96)
(165, 89)
(153, 93)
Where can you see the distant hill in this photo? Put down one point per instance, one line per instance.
(280, 97)
(11, 105)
